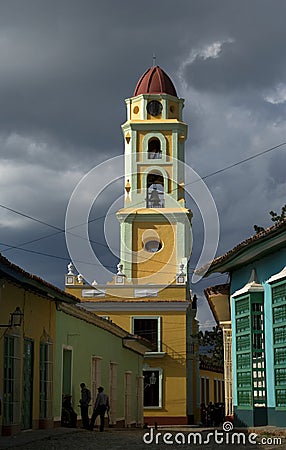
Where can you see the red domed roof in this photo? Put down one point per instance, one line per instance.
(155, 81)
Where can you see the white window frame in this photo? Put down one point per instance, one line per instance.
(113, 391)
(13, 405)
(69, 348)
(160, 372)
(128, 398)
(96, 363)
(205, 399)
(47, 366)
(158, 318)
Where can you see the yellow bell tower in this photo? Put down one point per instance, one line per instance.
(155, 225)
(150, 296)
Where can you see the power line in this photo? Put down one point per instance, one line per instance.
(31, 218)
(96, 264)
(240, 162)
(61, 230)
(206, 176)
(83, 262)
(175, 189)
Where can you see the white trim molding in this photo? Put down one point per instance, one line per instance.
(278, 276)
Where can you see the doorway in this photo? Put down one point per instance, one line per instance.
(67, 372)
(27, 386)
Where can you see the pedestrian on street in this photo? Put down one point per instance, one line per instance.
(84, 403)
(100, 407)
(69, 416)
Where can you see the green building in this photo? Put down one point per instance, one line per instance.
(253, 317)
(93, 350)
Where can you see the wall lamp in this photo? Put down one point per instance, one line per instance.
(15, 319)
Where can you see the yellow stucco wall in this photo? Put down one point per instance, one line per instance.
(211, 376)
(135, 109)
(137, 104)
(121, 293)
(39, 316)
(173, 364)
(173, 111)
(167, 133)
(147, 262)
(173, 337)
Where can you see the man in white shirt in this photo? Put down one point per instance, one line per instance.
(101, 405)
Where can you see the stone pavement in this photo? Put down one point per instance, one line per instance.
(125, 439)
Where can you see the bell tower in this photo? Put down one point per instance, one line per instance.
(150, 296)
(155, 225)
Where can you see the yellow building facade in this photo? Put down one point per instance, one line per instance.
(150, 296)
(27, 342)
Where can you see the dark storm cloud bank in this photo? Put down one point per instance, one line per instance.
(251, 56)
(66, 68)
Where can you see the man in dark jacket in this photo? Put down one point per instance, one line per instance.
(84, 403)
(101, 405)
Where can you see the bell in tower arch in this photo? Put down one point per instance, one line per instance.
(155, 190)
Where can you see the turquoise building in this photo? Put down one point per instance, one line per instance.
(256, 307)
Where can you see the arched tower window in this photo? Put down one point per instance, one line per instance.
(154, 149)
(155, 190)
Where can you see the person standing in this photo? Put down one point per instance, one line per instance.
(101, 405)
(84, 403)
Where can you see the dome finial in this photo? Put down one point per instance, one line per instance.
(154, 60)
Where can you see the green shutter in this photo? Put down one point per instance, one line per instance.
(279, 342)
(250, 353)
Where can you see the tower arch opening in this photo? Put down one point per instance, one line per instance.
(155, 190)
(154, 149)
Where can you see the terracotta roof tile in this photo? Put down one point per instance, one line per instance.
(257, 238)
(155, 81)
(33, 281)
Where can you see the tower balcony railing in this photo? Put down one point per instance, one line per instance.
(154, 155)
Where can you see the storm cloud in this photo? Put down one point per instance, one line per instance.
(66, 68)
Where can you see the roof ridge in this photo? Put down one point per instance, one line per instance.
(36, 278)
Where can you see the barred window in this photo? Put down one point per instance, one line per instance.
(250, 354)
(46, 379)
(11, 381)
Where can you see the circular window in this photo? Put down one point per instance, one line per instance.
(152, 246)
(136, 110)
(154, 108)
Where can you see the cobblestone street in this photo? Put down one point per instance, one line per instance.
(123, 439)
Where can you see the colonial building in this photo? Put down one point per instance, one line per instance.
(48, 346)
(218, 299)
(150, 294)
(27, 346)
(254, 317)
(93, 350)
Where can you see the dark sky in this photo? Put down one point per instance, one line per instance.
(66, 68)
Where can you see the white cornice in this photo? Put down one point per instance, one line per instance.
(278, 276)
(248, 288)
(135, 306)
